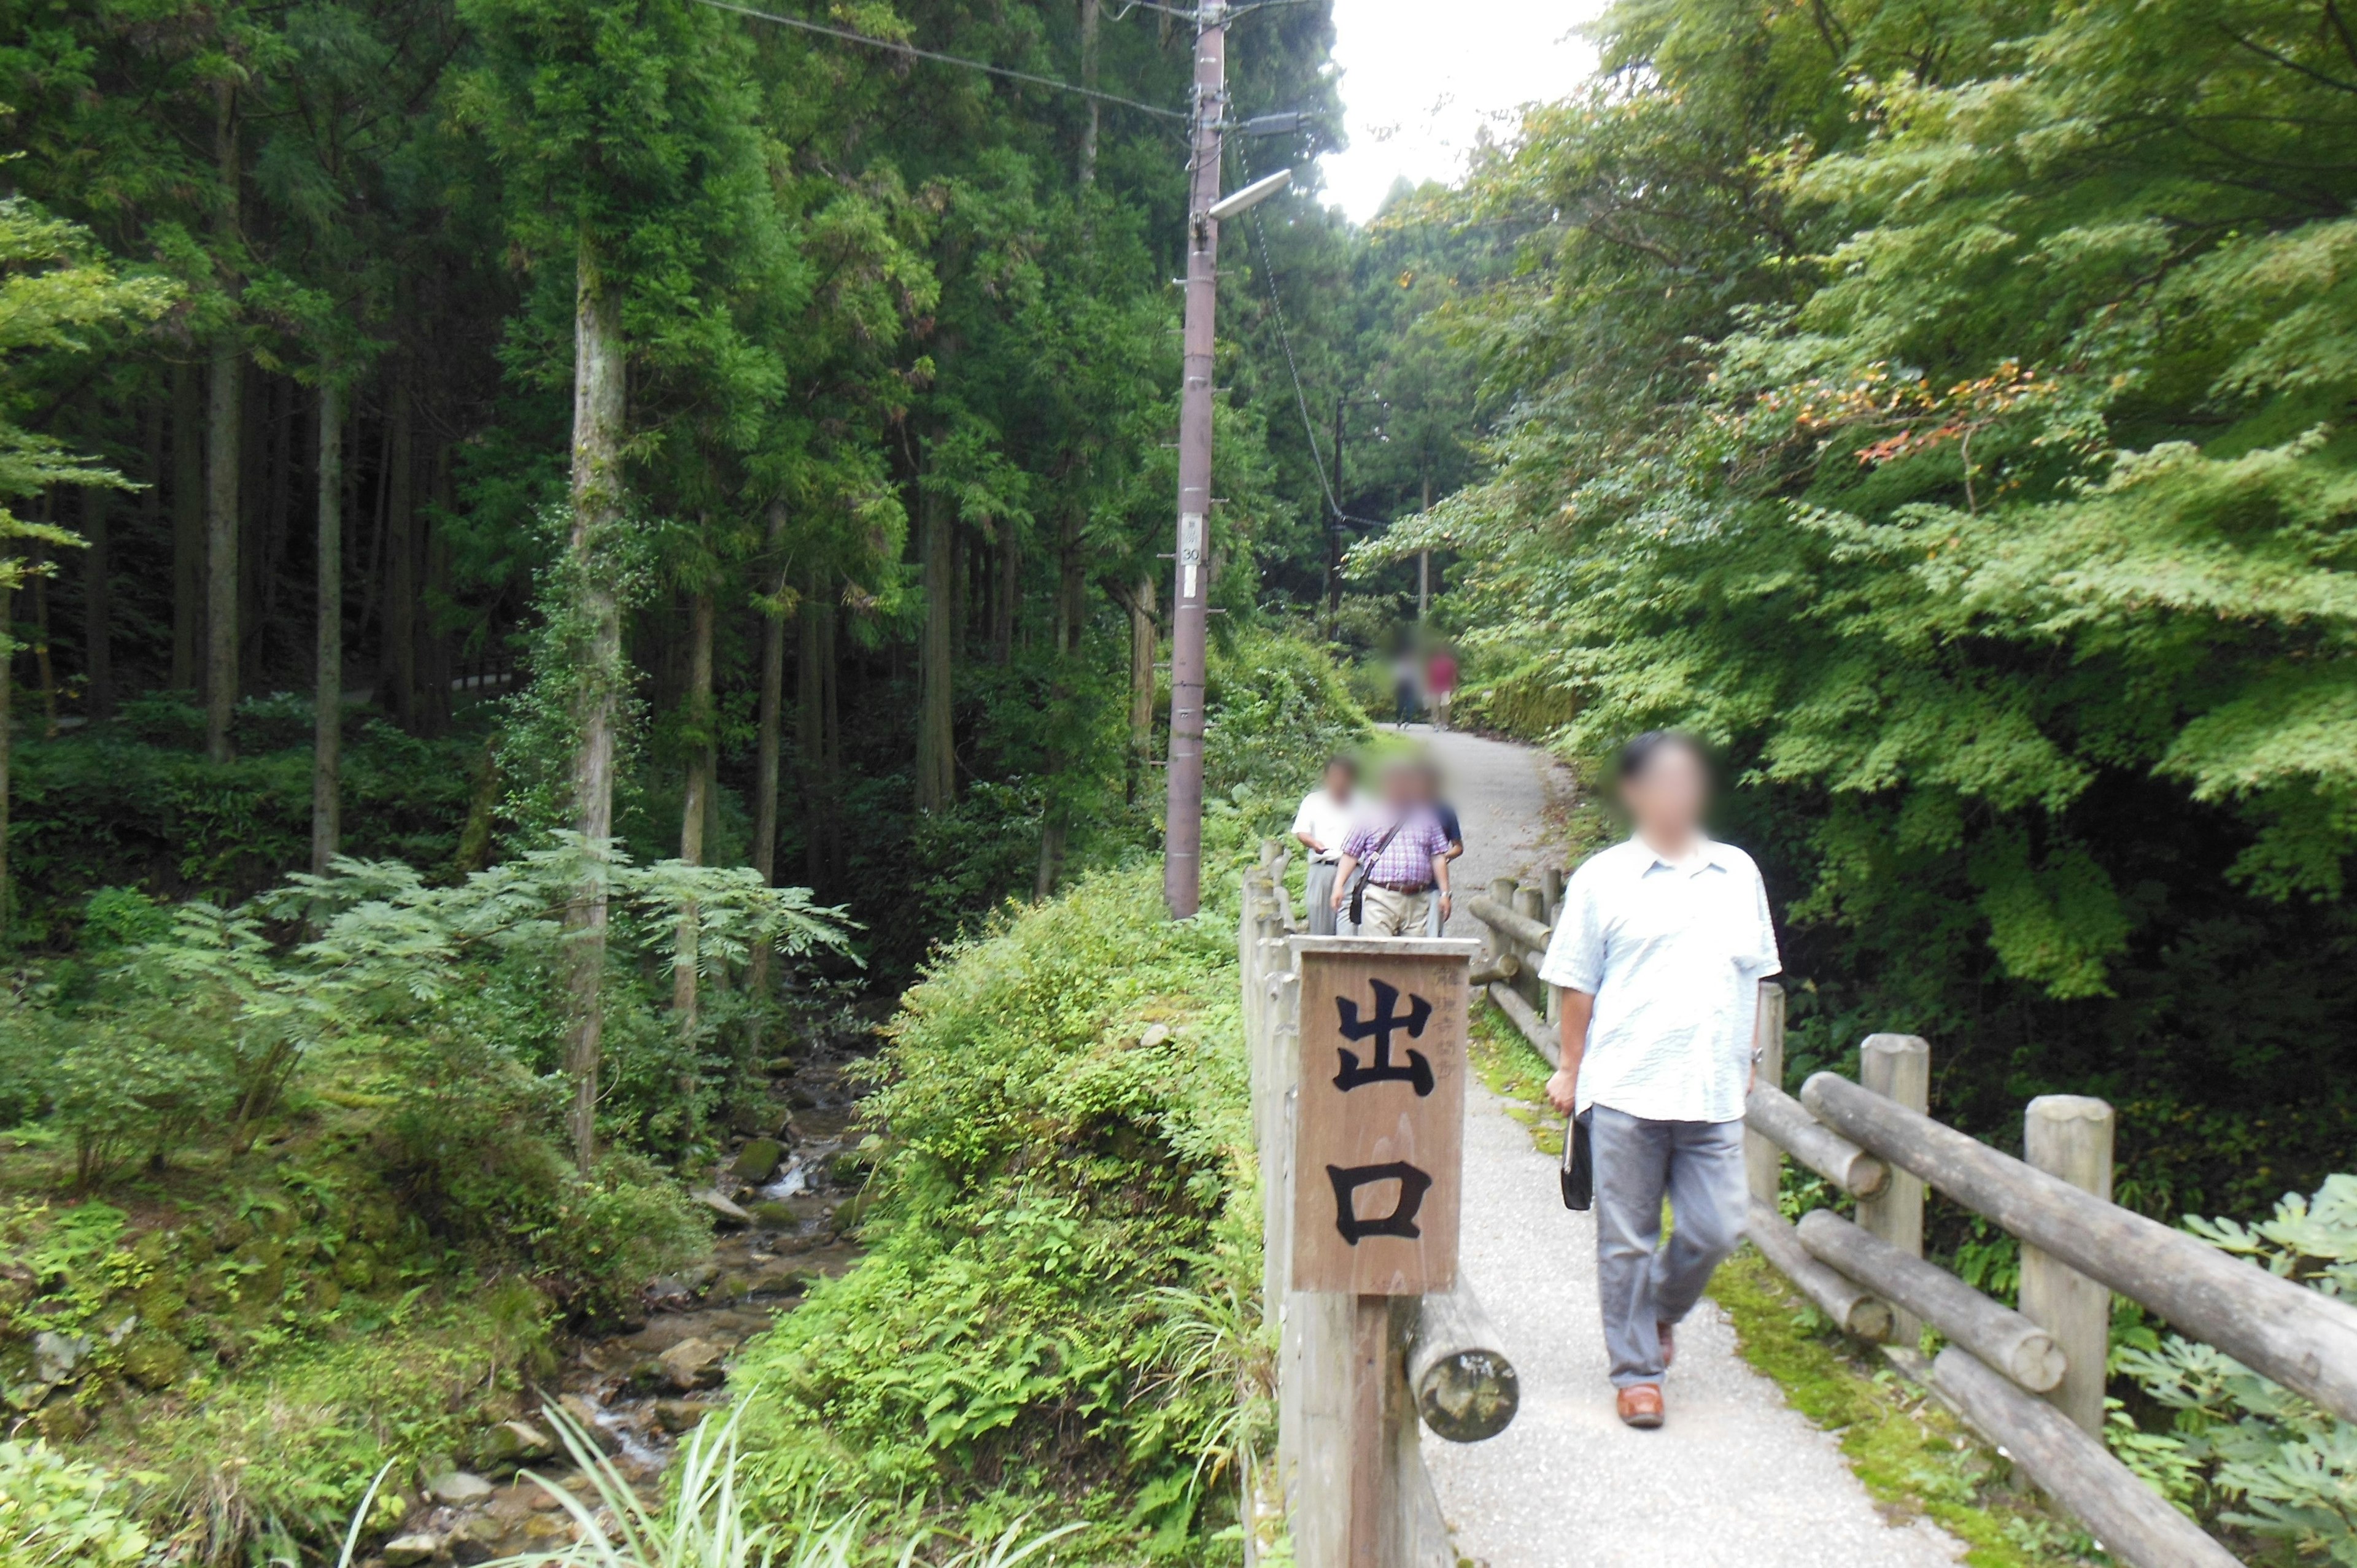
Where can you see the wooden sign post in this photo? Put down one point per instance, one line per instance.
(1378, 1156)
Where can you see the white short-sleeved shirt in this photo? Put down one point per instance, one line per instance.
(1673, 956)
(1328, 821)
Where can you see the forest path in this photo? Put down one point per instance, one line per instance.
(1736, 1476)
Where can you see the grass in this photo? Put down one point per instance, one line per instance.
(1913, 1457)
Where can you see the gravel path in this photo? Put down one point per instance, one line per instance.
(1736, 1476)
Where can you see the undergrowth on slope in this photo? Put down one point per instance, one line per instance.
(1063, 1228)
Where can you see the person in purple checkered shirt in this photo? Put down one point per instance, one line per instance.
(1406, 855)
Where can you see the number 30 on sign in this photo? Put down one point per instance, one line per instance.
(1379, 1138)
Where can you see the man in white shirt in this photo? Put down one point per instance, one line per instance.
(1659, 954)
(1321, 825)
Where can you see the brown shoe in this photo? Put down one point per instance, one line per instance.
(1641, 1404)
(1669, 1337)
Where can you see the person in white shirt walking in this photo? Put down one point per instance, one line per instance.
(1661, 945)
(1321, 825)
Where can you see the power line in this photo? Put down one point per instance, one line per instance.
(913, 52)
(1284, 340)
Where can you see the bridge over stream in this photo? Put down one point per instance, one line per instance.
(1510, 1361)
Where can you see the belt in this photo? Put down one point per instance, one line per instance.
(1404, 887)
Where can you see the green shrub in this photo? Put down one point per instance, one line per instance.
(2238, 1445)
(1067, 1101)
(56, 1512)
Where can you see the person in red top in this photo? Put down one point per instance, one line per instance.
(1439, 683)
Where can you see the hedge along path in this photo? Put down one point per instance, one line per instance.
(1737, 1475)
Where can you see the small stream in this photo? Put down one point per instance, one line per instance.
(638, 1391)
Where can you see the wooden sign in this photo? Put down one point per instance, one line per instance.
(1379, 1130)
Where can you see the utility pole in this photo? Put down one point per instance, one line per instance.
(1182, 852)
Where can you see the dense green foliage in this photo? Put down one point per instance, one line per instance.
(1059, 1304)
(1937, 409)
(2232, 1444)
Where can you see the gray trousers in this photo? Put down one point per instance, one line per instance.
(1699, 1165)
(1320, 894)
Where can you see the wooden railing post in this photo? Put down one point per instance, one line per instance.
(1763, 1162)
(1898, 1067)
(1529, 903)
(2070, 1135)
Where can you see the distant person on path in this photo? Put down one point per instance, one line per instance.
(1321, 824)
(1406, 691)
(1439, 685)
(1450, 829)
(1406, 859)
(1658, 954)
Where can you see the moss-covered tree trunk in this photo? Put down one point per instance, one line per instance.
(936, 784)
(598, 410)
(328, 652)
(224, 455)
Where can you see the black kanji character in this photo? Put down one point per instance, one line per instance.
(1400, 1221)
(1418, 1071)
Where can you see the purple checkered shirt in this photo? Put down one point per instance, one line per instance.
(1406, 860)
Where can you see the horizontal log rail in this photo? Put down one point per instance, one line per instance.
(1465, 1388)
(1787, 1124)
(1855, 1311)
(2300, 1337)
(1998, 1334)
(1526, 1018)
(2135, 1524)
(1521, 928)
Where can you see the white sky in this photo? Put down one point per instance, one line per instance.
(1421, 78)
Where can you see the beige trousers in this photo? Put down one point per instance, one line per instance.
(1390, 913)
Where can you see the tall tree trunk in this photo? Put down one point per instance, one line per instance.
(97, 605)
(435, 672)
(695, 807)
(8, 733)
(43, 665)
(1010, 593)
(226, 405)
(327, 686)
(598, 392)
(814, 740)
(396, 676)
(188, 527)
(936, 738)
(696, 798)
(1145, 641)
(771, 740)
(1091, 12)
(770, 727)
(224, 451)
(281, 398)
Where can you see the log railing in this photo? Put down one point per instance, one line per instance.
(2030, 1380)
(1444, 1367)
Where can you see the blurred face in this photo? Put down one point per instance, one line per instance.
(1339, 781)
(1400, 786)
(1666, 801)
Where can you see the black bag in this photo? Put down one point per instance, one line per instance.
(1364, 871)
(1578, 1166)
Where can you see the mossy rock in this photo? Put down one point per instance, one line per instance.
(356, 1266)
(63, 1420)
(154, 1360)
(160, 1301)
(850, 1215)
(324, 1293)
(230, 1234)
(758, 1161)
